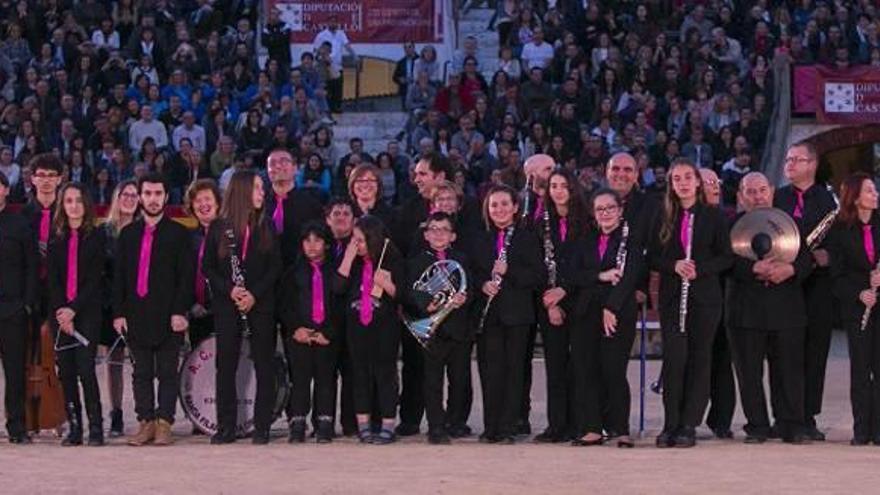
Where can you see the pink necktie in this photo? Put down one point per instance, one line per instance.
(685, 222)
(143, 280)
(317, 293)
(200, 277)
(72, 264)
(603, 245)
(278, 215)
(868, 241)
(499, 242)
(45, 222)
(539, 208)
(563, 228)
(441, 255)
(366, 315)
(245, 242)
(799, 204)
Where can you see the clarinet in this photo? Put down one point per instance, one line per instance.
(237, 280)
(549, 251)
(685, 283)
(867, 314)
(620, 260)
(527, 196)
(817, 235)
(502, 256)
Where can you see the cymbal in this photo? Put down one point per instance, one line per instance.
(766, 233)
(537, 162)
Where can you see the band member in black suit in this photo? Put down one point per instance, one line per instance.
(808, 203)
(312, 323)
(508, 271)
(288, 209)
(448, 353)
(368, 291)
(122, 212)
(246, 305)
(687, 345)
(152, 292)
(429, 172)
(622, 175)
(760, 331)
(562, 227)
(365, 191)
(614, 263)
(856, 273)
(339, 217)
(722, 395)
(75, 251)
(18, 293)
(202, 202)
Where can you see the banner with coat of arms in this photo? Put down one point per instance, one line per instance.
(847, 96)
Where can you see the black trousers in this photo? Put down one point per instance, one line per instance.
(504, 352)
(151, 363)
(12, 352)
(373, 355)
(557, 347)
(864, 372)
(76, 366)
(722, 395)
(783, 349)
(412, 379)
(262, 346)
(526, 405)
(313, 365)
(687, 366)
(334, 93)
(347, 419)
(817, 291)
(450, 359)
(605, 396)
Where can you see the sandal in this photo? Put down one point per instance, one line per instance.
(365, 435)
(384, 437)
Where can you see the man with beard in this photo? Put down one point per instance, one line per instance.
(153, 289)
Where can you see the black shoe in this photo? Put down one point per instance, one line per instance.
(20, 438)
(325, 432)
(774, 432)
(722, 433)
(116, 424)
(685, 438)
(297, 432)
(547, 436)
(665, 440)
(755, 439)
(506, 439)
(438, 438)
(260, 437)
(96, 425)
(407, 430)
(523, 428)
(795, 438)
(859, 441)
(459, 431)
(580, 442)
(96, 436)
(488, 438)
(222, 438)
(814, 434)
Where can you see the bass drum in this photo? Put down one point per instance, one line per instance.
(198, 388)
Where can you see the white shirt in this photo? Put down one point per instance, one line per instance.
(141, 130)
(196, 135)
(537, 55)
(108, 41)
(337, 40)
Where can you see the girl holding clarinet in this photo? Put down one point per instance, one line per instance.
(689, 245)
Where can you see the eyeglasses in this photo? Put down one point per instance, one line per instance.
(46, 176)
(366, 181)
(798, 159)
(606, 210)
(435, 229)
(712, 182)
(128, 195)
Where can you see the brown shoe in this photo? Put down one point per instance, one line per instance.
(163, 433)
(146, 434)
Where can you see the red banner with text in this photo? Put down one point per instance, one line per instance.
(364, 21)
(848, 96)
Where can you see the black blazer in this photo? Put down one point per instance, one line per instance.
(526, 273)
(170, 283)
(818, 202)
(18, 278)
(710, 252)
(456, 325)
(410, 216)
(196, 235)
(755, 305)
(90, 279)
(299, 208)
(619, 299)
(348, 289)
(33, 213)
(572, 272)
(261, 269)
(295, 300)
(850, 268)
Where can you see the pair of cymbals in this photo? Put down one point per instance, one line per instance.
(766, 233)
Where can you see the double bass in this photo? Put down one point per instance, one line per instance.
(44, 399)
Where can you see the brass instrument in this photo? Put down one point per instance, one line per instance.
(502, 256)
(817, 235)
(685, 283)
(237, 279)
(443, 280)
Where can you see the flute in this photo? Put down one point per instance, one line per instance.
(685, 283)
(867, 314)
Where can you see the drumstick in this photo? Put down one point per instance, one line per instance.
(377, 291)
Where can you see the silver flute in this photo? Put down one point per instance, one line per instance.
(867, 314)
(685, 283)
(497, 278)
(237, 279)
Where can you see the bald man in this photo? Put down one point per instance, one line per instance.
(767, 321)
(723, 391)
(808, 203)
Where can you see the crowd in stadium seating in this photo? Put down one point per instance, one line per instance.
(120, 88)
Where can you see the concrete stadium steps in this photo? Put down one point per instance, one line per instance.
(474, 23)
(375, 128)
